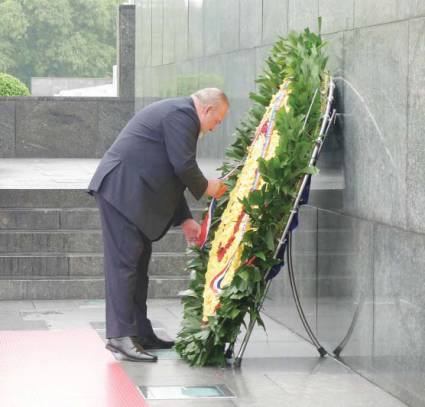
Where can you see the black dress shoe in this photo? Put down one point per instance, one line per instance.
(153, 342)
(131, 350)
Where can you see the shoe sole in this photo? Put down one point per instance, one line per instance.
(116, 350)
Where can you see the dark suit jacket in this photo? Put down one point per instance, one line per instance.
(146, 170)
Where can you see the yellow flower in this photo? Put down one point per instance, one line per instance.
(226, 250)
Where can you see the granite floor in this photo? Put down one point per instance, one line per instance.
(279, 368)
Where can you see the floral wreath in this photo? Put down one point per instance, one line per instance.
(264, 167)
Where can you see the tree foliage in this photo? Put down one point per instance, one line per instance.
(58, 38)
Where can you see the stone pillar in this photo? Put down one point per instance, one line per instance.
(126, 50)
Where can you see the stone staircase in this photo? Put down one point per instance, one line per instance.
(51, 248)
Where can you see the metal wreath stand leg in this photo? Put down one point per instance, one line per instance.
(285, 239)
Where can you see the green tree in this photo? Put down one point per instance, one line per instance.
(11, 86)
(58, 38)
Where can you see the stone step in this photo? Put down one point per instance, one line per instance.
(39, 288)
(61, 198)
(74, 241)
(49, 218)
(56, 218)
(81, 264)
(46, 198)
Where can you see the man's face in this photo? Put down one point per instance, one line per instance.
(212, 117)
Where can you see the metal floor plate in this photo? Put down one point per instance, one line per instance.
(218, 391)
(165, 354)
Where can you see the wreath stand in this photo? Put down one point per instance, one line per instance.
(285, 241)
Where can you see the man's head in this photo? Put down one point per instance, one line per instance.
(211, 106)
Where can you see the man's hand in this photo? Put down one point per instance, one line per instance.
(215, 188)
(191, 230)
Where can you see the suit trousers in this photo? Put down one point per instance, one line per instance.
(127, 254)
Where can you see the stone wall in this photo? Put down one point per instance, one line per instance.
(359, 252)
(61, 126)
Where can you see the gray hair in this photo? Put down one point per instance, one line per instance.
(211, 96)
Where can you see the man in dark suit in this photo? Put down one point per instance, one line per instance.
(139, 188)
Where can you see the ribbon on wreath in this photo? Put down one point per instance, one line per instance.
(266, 130)
(206, 222)
(274, 271)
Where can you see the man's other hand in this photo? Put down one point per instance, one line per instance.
(215, 186)
(191, 230)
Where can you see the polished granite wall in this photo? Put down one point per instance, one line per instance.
(359, 252)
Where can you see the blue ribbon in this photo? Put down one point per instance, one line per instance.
(274, 271)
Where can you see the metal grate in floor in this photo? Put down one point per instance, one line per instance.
(218, 391)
